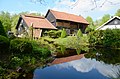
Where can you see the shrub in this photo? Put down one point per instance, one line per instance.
(74, 43)
(107, 38)
(21, 46)
(15, 62)
(45, 52)
(95, 37)
(39, 51)
(4, 44)
(79, 33)
(63, 34)
(111, 38)
(53, 33)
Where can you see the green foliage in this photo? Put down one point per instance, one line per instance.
(53, 33)
(79, 33)
(107, 38)
(20, 46)
(45, 52)
(111, 38)
(63, 34)
(16, 62)
(105, 18)
(6, 20)
(107, 55)
(118, 13)
(78, 51)
(89, 19)
(62, 49)
(74, 43)
(91, 26)
(4, 44)
(39, 51)
(95, 38)
(2, 31)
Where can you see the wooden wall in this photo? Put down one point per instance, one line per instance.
(37, 33)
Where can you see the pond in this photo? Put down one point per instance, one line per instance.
(97, 64)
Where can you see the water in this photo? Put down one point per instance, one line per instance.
(97, 64)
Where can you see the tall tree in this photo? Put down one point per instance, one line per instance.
(118, 13)
(91, 25)
(6, 20)
(105, 18)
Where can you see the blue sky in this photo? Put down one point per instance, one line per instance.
(82, 7)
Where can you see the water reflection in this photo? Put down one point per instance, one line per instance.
(97, 64)
(109, 56)
(83, 68)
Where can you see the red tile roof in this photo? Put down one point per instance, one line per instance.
(37, 21)
(67, 59)
(68, 17)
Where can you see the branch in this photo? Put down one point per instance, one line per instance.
(113, 3)
(103, 3)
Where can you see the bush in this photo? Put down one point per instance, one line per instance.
(107, 38)
(4, 44)
(96, 37)
(16, 62)
(21, 46)
(41, 52)
(79, 33)
(63, 34)
(53, 33)
(111, 38)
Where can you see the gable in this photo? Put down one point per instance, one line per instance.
(51, 18)
(115, 21)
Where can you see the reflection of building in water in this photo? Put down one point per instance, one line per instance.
(67, 59)
(82, 68)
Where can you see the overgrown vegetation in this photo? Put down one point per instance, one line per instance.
(53, 33)
(106, 38)
(2, 31)
(20, 53)
(78, 42)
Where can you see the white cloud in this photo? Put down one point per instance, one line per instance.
(86, 65)
(84, 7)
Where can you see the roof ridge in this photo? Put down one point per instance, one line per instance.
(33, 16)
(63, 12)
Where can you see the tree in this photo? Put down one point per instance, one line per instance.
(105, 18)
(118, 13)
(6, 20)
(2, 31)
(91, 26)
